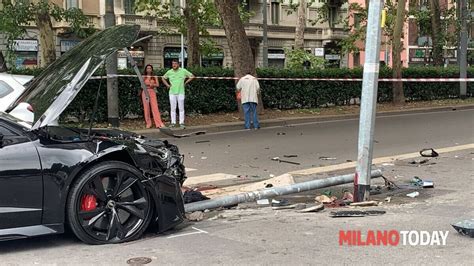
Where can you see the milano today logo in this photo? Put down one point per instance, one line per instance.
(392, 238)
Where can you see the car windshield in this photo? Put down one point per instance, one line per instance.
(13, 119)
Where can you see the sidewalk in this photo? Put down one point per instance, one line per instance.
(289, 121)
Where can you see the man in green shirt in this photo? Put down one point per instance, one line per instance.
(177, 77)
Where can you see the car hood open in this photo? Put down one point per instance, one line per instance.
(56, 87)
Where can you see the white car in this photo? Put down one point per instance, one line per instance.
(11, 87)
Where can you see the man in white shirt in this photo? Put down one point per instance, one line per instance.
(249, 88)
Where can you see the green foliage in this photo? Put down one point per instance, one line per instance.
(297, 58)
(14, 15)
(210, 96)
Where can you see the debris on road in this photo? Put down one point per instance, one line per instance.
(421, 183)
(169, 132)
(268, 185)
(429, 153)
(298, 206)
(290, 155)
(325, 158)
(413, 194)
(204, 158)
(281, 134)
(193, 196)
(279, 203)
(388, 199)
(277, 159)
(420, 161)
(263, 202)
(465, 227)
(316, 208)
(202, 141)
(352, 213)
(324, 199)
(195, 216)
(365, 204)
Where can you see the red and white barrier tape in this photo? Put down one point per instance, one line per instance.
(320, 79)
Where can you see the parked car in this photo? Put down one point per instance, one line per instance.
(11, 87)
(108, 186)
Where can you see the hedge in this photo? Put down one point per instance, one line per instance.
(211, 96)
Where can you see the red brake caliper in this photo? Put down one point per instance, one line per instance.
(88, 202)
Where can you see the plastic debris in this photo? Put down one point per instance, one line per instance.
(202, 141)
(193, 196)
(263, 202)
(281, 134)
(465, 227)
(420, 161)
(279, 203)
(195, 216)
(298, 206)
(429, 153)
(290, 155)
(325, 199)
(277, 159)
(388, 199)
(327, 158)
(413, 194)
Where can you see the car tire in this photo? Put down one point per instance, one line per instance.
(108, 204)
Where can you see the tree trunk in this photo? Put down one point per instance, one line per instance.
(46, 38)
(242, 57)
(239, 45)
(190, 14)
(398, 95)
(436, 33)
(3, 63)
(300, 25)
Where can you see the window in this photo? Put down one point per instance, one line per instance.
(175, 9)
(357, 59)
(213, 60)
(5, 89)
(275, 10)
(72, 4)
(128, 6)
(357, 20)
(276, 58)
(173, 53)
(246, 5)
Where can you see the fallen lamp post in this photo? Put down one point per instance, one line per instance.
(273, 192)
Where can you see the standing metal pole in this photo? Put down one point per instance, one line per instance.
(368, 101)
(111, 69)
(182, 35)
(265, 34)
(463, 49)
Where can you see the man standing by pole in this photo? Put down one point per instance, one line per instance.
(177, 77)
(368, 102)
(249, 88)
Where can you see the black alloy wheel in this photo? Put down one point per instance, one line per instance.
(109, 204)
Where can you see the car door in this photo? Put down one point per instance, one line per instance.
(21, 184)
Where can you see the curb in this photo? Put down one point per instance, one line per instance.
(287, 121)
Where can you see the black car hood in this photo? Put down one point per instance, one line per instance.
(55, 88)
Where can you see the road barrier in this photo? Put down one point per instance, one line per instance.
(318, 79)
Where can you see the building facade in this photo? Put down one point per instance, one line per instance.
(416, 46)
(320, 38)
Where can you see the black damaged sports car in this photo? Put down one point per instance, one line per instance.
(108, 186)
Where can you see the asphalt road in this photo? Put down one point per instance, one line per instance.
(250, 152)
(262, 236)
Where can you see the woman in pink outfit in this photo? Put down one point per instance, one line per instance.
(151, 83)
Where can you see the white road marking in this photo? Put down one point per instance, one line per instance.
(198, 231)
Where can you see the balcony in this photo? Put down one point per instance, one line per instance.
(94, 20)
(146, 23)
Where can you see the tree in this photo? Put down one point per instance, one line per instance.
(15, 14)
(397, 47)
(239, 44)
(198, 16)
(300, 25)
(436, 33)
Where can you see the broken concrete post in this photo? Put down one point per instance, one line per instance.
(273, 192)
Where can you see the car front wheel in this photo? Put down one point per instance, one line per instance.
(109, 204)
